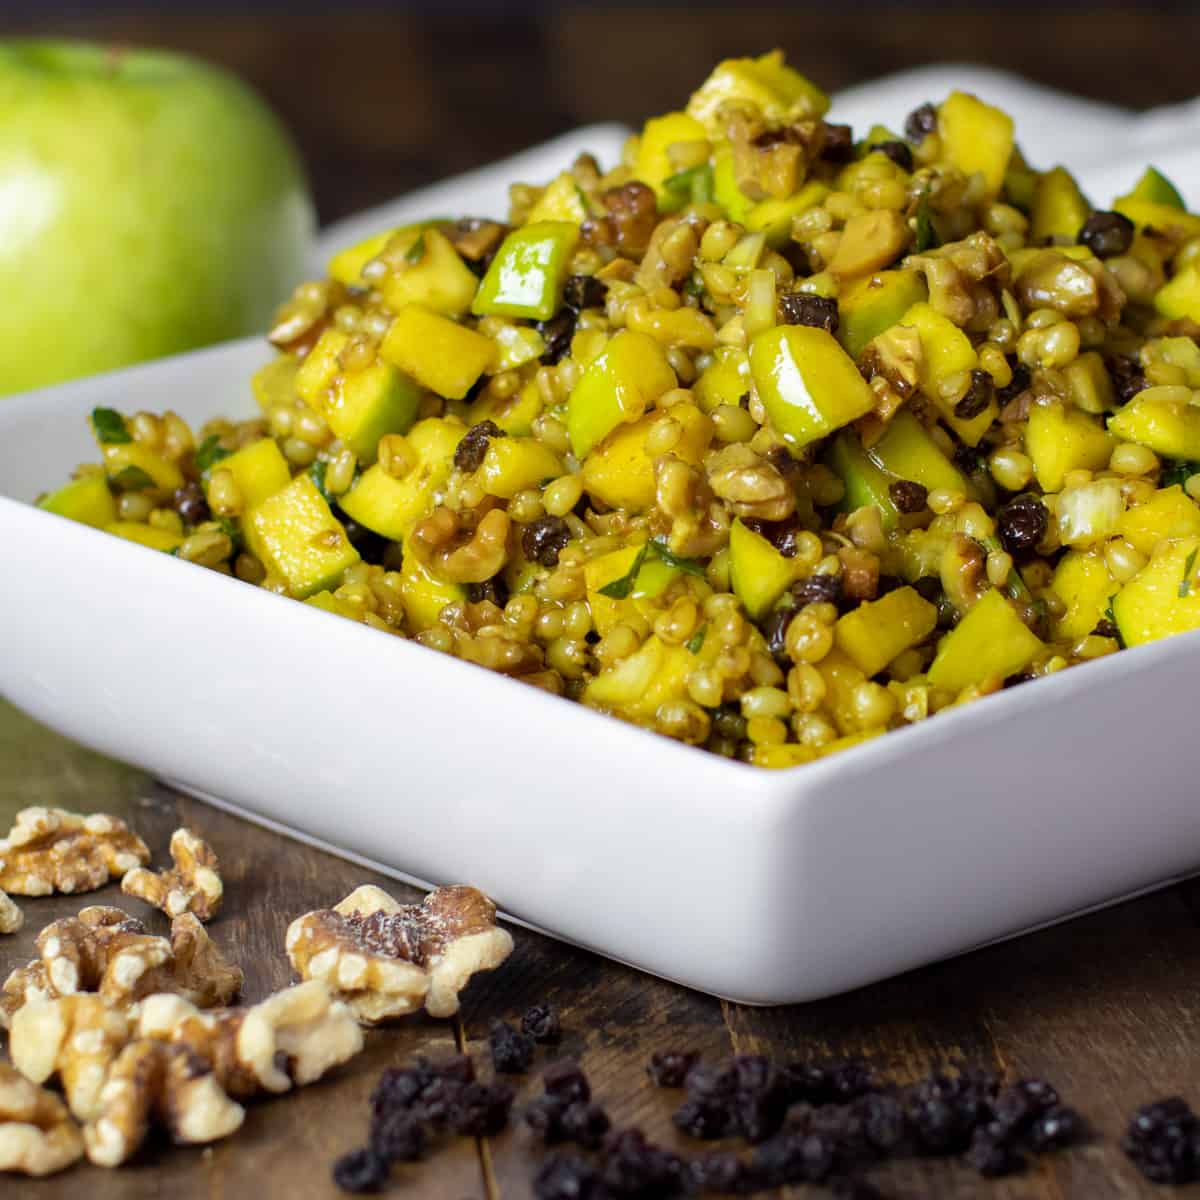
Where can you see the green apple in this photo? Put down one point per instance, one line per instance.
(149, 204)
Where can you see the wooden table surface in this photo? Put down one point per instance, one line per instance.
(1106, 1007)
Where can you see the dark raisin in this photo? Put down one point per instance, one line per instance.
(542, 1024)
(908, 495)
(898, 152)
(361, 1171)
(837, 143)
(636, 1167)
(850, 1078)
(512, 1051)
(928, 588)
(774, 630)
(584, 291)
(544, 1115)
(456, 1068)
(399, 1087)
(1161, 1141)
(793, 1157)
(783, 535)
(818, 589)
(1055, 1128)
(920, 123)
(1021, 524)
(543, 540)
(882, 1121)
(967, 459)
(481, 1109)
(1016, 1105)
(471, 450)
(189, 502)
(566, 1080)
(585, 1124)
(438, 1101)
(1016, 385)
(979, 395)
(704, 1119)
(943, 1112)
(398, 1136)
(992, 1154)
(669, 1068)
(1106, 628)
(720, 1171)
(566, 1177)
(1127, 377)
(1106, 234)
(557, 334)
(494, 590)
(800, 308)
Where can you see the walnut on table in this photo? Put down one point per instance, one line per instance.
(105, 950)
(37, 1135)
(167, 1061)
(51, 850)
(11, 917)
(192, 885)
(386, 959)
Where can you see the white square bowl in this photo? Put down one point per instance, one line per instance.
(761, 886)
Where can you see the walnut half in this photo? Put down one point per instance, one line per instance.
(193, 884)
(37, 1135)
(105, 950)
(386, 959)
(51, 850)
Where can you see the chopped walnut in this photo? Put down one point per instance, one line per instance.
(152, 1079)
(752, 485)
(965, 279)
(291, 1038)
(76, 1038)
(386, 959)
(107, 951)
(11, 917)
(37, 1135)
(192, 885)
(51, 850)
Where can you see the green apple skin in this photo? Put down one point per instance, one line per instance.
(149, 204)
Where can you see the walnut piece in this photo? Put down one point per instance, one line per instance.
(154, 1080)
(105, 950)
(11, 917)
(385, 959)
(37, 1135)
(51, 850)
(290, 1039)
(76, 1038)
(192, 885)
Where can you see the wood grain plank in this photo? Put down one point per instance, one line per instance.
(288, 1144)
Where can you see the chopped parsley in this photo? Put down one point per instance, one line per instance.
(317, 474)
(132, 479)
(1112, 618)
(697, 639)
(210, 453)
(1178, 472)
(110, 427)
(927, 237)
(1185, 584)
(620, 588)
(416, 251)
(693, 186)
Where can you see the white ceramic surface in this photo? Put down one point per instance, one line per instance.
(765, 887)
(757, 885)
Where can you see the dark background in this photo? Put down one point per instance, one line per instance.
(385, 97)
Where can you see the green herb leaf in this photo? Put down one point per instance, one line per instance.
(1179, 472)
(697, 639)
(1185, 584)
(132, 479)
(927, 237)
(232, 532)
(110, 427)
(695, 185)
(317, 475)
(661, 551)
(210, 453)
(416, 251)
(1112, 617)
(694, 285)
(619, 589)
